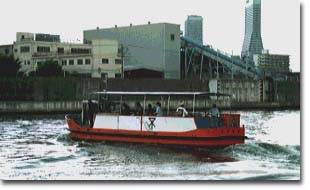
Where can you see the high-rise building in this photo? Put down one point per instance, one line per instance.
(193, 28)
(252, 43)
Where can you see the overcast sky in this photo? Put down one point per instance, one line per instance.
(223, 20)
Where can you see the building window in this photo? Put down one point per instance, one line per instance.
(39, 63)
(6, 51)
(87, 61)
(105, 61)
(15, 50)
(24, 49)
(80, 51)
(118, 75)
(80, 61)
(71, 62)
(172, 37)
(64, 62)
(61, 50)
(118, 61)
(43, 49)
(104, 76)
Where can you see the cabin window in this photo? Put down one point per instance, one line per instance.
(105, 61)
(172, 37)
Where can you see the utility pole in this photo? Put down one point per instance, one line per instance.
(201, 64)
(185, 61)
(232, 67)
(217, 64)
(122, 58)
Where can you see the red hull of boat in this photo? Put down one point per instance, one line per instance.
(224, 136)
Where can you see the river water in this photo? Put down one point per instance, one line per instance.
(39, 148)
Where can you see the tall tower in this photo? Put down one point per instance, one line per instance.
(252, 43)
(193, 28)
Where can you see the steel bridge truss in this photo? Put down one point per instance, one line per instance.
(216, 63)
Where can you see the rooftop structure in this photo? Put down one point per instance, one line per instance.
(194, 28)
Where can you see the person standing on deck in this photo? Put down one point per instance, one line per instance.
(125, 109)
(139, 109)
(150, 110)
(181, 111)
(215, 114)
(91, 112)
(214, 111)
(158, 111)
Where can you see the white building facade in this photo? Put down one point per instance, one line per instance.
(96, 60)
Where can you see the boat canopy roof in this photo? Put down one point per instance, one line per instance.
(160, 93)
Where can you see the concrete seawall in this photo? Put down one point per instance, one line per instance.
(76, 106)
(40, 107)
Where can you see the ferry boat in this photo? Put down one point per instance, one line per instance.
(195, 129)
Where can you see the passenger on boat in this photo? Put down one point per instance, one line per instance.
(215, 114)
(214, 111)
(150, 110)
(181, 111)
(125, 109)
(139, 109)
(91, 112)
(158, 111)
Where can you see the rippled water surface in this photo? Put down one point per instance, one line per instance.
(39, 148)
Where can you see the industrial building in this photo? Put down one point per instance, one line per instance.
(194, 29)
(98, 59)
(272, 64)
(252, 43)
(150, 50)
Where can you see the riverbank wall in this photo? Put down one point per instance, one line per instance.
(64, 95)
(67, 107)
